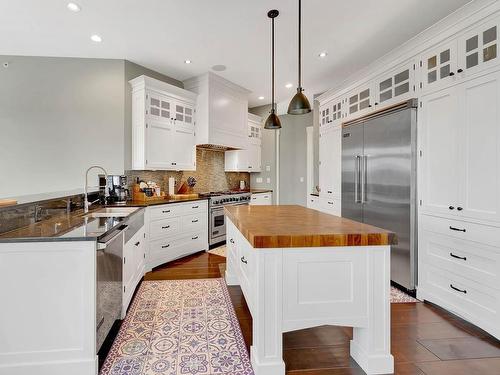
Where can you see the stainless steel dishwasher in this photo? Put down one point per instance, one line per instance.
(109, 282)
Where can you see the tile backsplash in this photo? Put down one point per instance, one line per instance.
(209, 174)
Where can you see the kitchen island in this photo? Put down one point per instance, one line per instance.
(300, 268)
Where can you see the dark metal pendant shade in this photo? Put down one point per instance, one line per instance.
(299, 105)
(273, 122)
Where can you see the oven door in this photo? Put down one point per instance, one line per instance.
(217, 225)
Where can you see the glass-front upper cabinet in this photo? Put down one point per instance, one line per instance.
(325, 117)
(478, 48)
(338, 109)
(184, 115)
(439, 66)
(397, 85)
(360, 101)
(159, 107)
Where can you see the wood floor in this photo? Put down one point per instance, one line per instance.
(425, 338)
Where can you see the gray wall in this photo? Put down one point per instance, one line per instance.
(293, 157)
(268, 156)
(58, 116)
(293, 150)
(132, 71)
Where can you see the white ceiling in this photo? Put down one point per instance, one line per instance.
(161, 34)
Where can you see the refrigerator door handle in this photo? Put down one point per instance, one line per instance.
(357, 165)
(364, 178)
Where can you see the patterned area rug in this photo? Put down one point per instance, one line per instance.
(179, 327)
(397, 296)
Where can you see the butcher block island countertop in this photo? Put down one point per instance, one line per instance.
(297, 226)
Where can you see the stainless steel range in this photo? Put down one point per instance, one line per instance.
(217, 220)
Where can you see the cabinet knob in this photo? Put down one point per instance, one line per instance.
(459, 208)
(231, 240)
(243, 260)
(369, 105)
(452, 74)
(137, 243)
(451, 208)
(460, 70)
(376, 103)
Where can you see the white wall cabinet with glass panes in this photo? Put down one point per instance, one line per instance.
(439, 67)
(333, 113)
(249, 158)
(478, 48)
(360, 102)
(396, 86)
(163, 126)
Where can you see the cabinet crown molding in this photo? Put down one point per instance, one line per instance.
(142, 82)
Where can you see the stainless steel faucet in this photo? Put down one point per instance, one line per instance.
(86, 203)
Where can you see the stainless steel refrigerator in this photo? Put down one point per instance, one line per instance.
(379, 181)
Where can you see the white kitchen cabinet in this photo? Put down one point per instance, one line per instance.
(478, 48)
(249, 158)
(460, 157)
(221, 109)
(313, 202)
(332, 113)
(163, 126)
(175, 230)
(134, 254)
(331, 206)
(439, 136)
(360, 101)
(396, 85)
(261, 199)
(439, 66)
(330, 167)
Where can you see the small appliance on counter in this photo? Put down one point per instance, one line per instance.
(116, 189)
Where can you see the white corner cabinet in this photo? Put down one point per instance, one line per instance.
(175, 230)
(163, 126)
(221, 108)
(261, 199)
(248, 159)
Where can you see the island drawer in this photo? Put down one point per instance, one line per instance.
(165, 227)
(471, 260)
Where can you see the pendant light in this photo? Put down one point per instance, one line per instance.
(273, 121)
(299, 104)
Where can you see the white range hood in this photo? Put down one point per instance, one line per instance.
(221, 112)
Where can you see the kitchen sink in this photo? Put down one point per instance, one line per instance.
(113, 212)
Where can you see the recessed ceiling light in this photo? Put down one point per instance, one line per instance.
(187, 61)
(323, 54)
(74, 7)
(261, 98)
(288, 85)
(96, 38)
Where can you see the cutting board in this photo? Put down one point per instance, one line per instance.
(7, 202)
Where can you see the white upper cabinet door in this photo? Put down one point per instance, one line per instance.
(396, 86)
(360, 101)
(254, 158)
(159, 107)
(338, 112)
(159, 143)
(184, 115)
(183, 149)
(439, 123)
(478, 48)
(439, 67)
(480, 117)
(325, 116)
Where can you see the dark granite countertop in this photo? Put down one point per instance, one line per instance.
(76, 226)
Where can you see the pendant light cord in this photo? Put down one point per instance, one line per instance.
(300, 44)
(272, 63)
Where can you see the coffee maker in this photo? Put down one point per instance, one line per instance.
(115, 187)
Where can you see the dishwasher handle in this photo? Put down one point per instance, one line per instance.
(102, 245)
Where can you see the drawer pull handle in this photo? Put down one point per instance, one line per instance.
(330, 202)
(231, 240)
(457, 229)
(243, 260)
(330, 192)
(165, 227)
(195, 207)
(137, 243)
(165, 246)
(166, 212)
(451, 208)
(459, 208)
(458, 290)
(456, 256)
(194, 221)
(194, 238)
